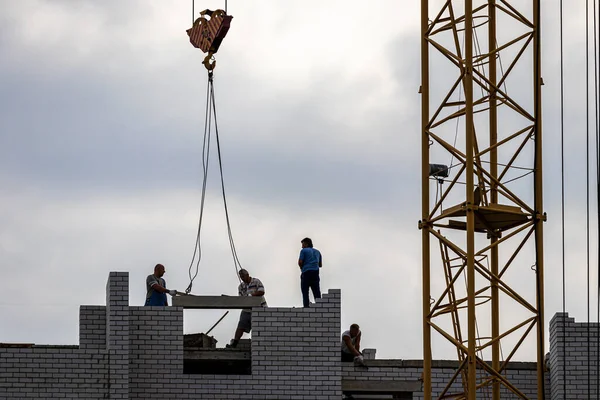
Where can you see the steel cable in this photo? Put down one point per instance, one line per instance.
(236, 261)
(562, 201)
(205, 158)
(597, 125)
(587, 182)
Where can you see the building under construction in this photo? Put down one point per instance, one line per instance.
(137, 352)
(482, 259)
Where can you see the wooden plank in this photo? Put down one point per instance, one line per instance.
(380, 387)
(217, 302)
(220, 354)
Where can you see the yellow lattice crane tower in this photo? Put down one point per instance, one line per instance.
(481, 110)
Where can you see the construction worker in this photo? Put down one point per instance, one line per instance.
(310, 261)
(351, 345)
(156, 288)
(249, 287)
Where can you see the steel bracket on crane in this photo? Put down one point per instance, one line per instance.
(541, 217)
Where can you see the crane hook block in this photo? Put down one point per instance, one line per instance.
(208, 32)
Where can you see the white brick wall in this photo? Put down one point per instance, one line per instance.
(117, 334)
(522, 375)
(137, 353)
(295, 355)
(573, 359)
(92, 327)
(53, 372)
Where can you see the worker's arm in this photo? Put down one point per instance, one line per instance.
(351, 347)
(301, 258)
(357, 342)
(161, 289)
(260, 289)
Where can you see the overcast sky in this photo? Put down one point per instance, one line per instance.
(101, 122)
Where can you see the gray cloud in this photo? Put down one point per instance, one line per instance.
(101, 118)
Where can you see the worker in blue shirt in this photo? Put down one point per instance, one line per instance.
(310, 261)
(156, 288)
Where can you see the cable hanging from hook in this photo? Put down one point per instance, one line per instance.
(210, 120)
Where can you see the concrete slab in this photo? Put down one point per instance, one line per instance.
(380, 387)
(217, 302)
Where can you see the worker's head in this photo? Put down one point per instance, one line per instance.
(354, 330)
(159, 270)
(245, 276)
(306, 242)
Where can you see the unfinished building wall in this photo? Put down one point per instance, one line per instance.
(46, 372)
(295, 355)
(72, 372)
(137, 353)
(573, 359)
(522, 374)
(296, 352)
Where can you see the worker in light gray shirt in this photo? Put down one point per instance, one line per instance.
(249, 286)
(156, 288)
(351, 345)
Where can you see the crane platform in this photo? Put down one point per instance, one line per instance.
(490, 218)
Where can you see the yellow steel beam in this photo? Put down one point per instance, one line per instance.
(425, 198)
(538, 194)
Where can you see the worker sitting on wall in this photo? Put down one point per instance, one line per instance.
(351, 345)
(249, 287)
(156, 288)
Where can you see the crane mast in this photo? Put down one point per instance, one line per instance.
(481, 111)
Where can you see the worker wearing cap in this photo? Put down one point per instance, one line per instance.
(248, 287)
(156, 288)
(351, 345)
(309, 261)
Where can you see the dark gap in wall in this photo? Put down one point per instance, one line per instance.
(217, 367)
(201, 356)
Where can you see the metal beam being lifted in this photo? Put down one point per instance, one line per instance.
(217, 302)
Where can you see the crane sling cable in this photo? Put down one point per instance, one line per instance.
(205, 158)
(207, 33)
(210, 117)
